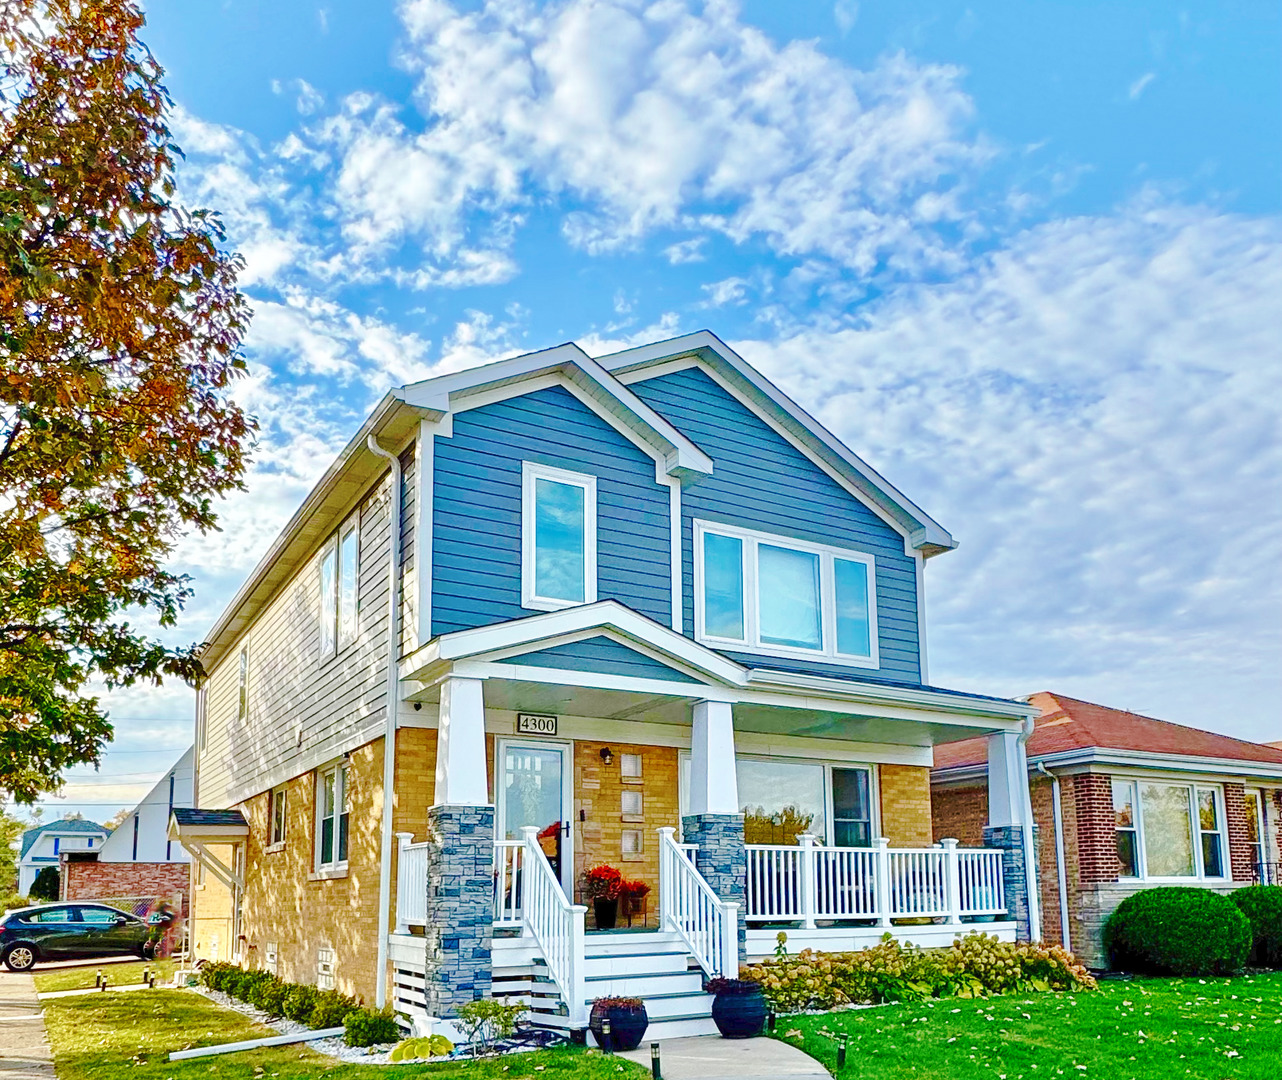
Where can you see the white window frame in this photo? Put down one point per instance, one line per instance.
(1195, 824)
(1261, 824)
(279, 797)
(334, 632)
(530, 472)
(751, 641)
(341, 769)
(327, 624)
(348, 615)
(242, 685)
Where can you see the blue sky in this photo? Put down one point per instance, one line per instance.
(1025, 259)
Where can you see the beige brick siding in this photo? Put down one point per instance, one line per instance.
(905, 804)
(959, 813)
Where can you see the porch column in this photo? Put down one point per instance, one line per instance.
(714, 822)
(1007, 811)
(460, 863)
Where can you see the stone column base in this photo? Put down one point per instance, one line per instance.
(1010, 839)
(723, 861)
(460, 906)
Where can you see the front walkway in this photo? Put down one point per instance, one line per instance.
(710, 1057)
(24, 1050)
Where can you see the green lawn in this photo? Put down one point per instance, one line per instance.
(79, 978)
(1212, 1029)
(103, 1037)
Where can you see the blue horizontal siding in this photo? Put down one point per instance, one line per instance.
(476, 541)
(761, 481)
(603, 656)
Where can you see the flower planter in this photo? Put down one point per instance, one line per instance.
(606, 913)
(628, 1024)
(739, 1009)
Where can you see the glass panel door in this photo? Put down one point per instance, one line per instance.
(533, 786)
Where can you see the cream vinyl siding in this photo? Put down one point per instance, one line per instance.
(303, 709)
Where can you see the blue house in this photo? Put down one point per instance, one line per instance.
(557, 613)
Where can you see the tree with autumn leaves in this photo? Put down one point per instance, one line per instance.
(120, 337)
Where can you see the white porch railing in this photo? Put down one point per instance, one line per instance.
(507, 882)
(555, 924)
(806, 882)
(411, 883)
(708, 925)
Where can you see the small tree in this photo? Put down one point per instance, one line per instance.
(47, 884)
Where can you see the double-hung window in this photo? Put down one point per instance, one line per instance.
(331, 817)
(782, 597)
(1256, 832)
(558, 538)
(279, 801)
(339, 582)
(1169, 830)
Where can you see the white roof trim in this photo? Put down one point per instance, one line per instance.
(921, 530)
(1127, 759)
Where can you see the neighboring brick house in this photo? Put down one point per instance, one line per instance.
(555, 611)
(1124, 802)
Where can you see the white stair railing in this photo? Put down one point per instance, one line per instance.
(555, 924)
(708, 925)
(411, 883)
(507, 882)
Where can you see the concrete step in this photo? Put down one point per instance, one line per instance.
(677, 960)
(631, 943)
(643, 984)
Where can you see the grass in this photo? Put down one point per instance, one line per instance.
(101, 1036)
(1146, 1029)
(81, 978)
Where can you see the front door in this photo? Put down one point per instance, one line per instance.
(533, 788)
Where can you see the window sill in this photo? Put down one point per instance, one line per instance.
(328, 873)
(271, 849)
(537, 603)
(750, 649)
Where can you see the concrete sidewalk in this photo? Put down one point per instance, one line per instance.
(24, 1050)
(710, 1057)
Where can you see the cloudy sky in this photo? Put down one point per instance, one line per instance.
(1028, 266)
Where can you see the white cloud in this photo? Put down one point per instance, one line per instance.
(686, 251)
(1140, 85)
(846, 14)
(729, 290)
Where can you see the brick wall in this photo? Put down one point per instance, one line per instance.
(1241, 857)
(959, 813)
(905, 804)
(99, 880)
(1096, 828)
(211, 925)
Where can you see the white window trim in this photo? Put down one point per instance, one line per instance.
(278, 794)
(345, 634)
(530, 472)
(327, 620)
(1261, 820)
(336, 868)
(242, 685)
(1195, 821)
(751, 643)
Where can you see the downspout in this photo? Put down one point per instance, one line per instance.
(1060, 873)
(1030, 866)
(389, 727)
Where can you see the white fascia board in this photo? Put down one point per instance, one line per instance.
(447, 392)
(923, 532)
(591, 680)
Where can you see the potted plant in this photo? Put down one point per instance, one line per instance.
(739, 1008)
(601, 884)
(633, 894)
(627, 1019)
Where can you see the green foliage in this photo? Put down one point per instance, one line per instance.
(270, 997)
(973, 966)
(331, 1009)
(486, 1020)
(1178, 930)
(11, 830)
(45, 887)
(300, 1003)
(1262, 905)
(367, 1027)
(413, 1049)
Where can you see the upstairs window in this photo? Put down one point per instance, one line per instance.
(784, 597)
(331, 817)
(339, 588)
(279, 801)
(558, 538)
(242, 692)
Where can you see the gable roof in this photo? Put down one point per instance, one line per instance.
(1067, 729)
(63, 827)
(920, 530)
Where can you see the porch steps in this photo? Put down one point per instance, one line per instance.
(652, 966)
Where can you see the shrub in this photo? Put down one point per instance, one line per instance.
(264, 988)
(890, 971)
(271, 997)
(300, 1002)
(427, 1047)
(1178, 930)
(485, 1020)
(1262, 905)
(46, 885)
(365, 1027)
(331, 1009)
(214, 975)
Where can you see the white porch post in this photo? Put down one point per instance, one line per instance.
(1012, 829)
(881, 879)
(952, 880)
(807, 842)
(460, 745)
(713, 786)
(1006, 773)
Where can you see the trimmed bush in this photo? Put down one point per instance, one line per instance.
(366, 1027)
(1178, 930)
(300, 1003)
(1262, 905)
(331, 1009)
(973, 966)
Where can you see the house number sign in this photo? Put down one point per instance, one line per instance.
(530, 724)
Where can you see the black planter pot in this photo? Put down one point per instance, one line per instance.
(627, 1026)
(606, 912)
(739, 1012)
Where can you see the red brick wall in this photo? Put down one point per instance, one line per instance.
(959, 813)
(1241, 858)
(1096, 828)
(97, 880)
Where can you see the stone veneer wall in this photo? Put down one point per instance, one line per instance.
(723, 860)
(1010, 838)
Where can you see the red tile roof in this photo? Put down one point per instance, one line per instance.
(1067, 724)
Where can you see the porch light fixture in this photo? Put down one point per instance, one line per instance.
(607, 755)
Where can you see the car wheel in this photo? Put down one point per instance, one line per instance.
(20, 958)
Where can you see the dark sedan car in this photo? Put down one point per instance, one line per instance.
(69, 932)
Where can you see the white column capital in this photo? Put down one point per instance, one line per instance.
(1007, 779)
(460, 745)
(714, 788)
